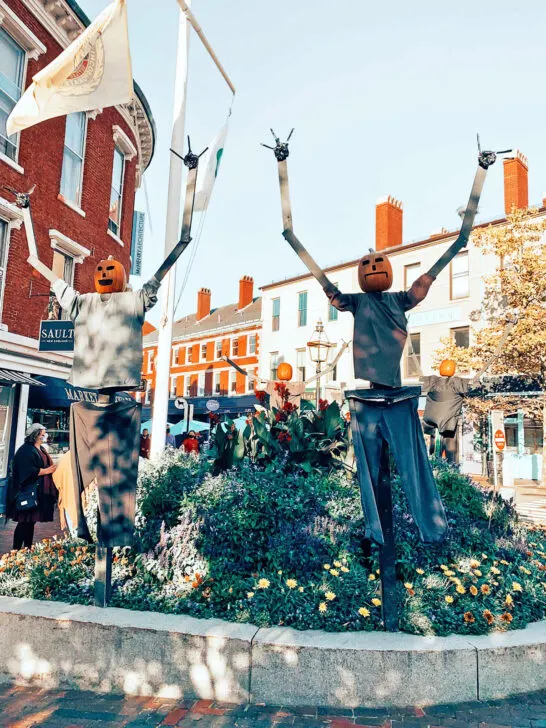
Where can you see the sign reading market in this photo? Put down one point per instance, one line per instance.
(56, 336)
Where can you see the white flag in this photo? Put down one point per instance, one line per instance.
(208, 170)
(92, 73)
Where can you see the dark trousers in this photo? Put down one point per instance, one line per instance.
(105, 445)
(23, 535)
(397, 423)
(449, 445)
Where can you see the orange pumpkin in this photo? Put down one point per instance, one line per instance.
(374, 273)
(284, 372)
(447, 368)
(110, 276)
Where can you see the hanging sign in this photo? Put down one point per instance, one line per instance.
(212, 405)
(137, 243)
(56, 336)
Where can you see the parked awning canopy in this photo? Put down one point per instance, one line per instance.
(59, 394)
(7, 375)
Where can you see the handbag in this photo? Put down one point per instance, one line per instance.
(27, 499)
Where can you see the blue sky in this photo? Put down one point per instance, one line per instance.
(385, 99)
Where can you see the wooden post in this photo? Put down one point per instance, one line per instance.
(387, 553)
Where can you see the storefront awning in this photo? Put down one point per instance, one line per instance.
(236, 405)
(7, 375)
(59, 394)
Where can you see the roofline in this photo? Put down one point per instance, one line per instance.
(441, 237)
(74, 6)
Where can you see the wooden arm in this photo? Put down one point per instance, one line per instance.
(33, 259)
(332, 365)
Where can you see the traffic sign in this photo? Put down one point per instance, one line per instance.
(500, 440)
(212, 405)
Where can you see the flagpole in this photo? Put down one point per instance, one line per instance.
(167, 291)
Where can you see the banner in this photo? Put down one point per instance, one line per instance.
(137, 243)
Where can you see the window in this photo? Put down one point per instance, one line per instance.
(332, 310)
(251, 382)
(413, 361)
(176, 352)
(12, 64)
(302, 308)
(73, 154)
(173, 387)
(233, 382)
(460, 281)
(188, 386)
(301, 358)
(201, 385)
(332, 376)
(532, 437)
(148, 392)
(4, 238)
(461, 336)
(203, 352)
(216, 382)
(252, 344)
(63, 267)
(150, 361)
(235, 347)
(274, 364)
(276, 320)
(190, 353)
(411, 272)
(219, 349)
(116, 192)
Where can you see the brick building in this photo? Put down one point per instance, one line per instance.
(200, 340)
(86, 168)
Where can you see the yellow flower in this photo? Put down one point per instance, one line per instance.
(516, 587)
(477, 572)
(449, 599)
(443, 567)
(334, 572)
(378, 571)
(494, 570)
(322, 607)
(447, 572)
(460, 589)
(249, 595)
(337, 564)
(455, 580)
(263, 584)
(376, 602)
(525, 571)
(371, 577)
(344, 569)
(508, 601)
(364, 612)
(485, 556)
(300, 588)
(408, 585)
(504, 562)
(291, 583)
(327, 567)
(473, 590)
(330, 596)
(279, 572)
(474, 564)
(419, 571)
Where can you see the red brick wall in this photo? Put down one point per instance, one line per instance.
(41, 154)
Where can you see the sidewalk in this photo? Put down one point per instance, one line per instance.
(41, 531)
(28, 707)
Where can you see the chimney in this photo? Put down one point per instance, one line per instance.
(516, 185)
(203, 303)
(246, 292)
(388, 223)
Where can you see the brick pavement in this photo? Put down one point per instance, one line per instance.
(24, 707)
(41, 531)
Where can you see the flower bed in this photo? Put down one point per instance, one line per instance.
(277, 546)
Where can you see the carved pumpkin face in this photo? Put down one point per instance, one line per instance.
(447, 368)
(284, 372)
(375, 273)
(110, 276)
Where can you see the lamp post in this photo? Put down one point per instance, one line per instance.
(319, 350)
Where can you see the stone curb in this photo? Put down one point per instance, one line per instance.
(53, 644)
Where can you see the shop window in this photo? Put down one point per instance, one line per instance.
(252, 344)
(532, 437)
(7, 395)
(12, 65)
(413, 362)
(302, 308)
(460, 278)
(461, 336)
(116, 192)
(301, 360)
(332, 310)
(276, 316)
(73, 156)
(411, 273)
(511, 434)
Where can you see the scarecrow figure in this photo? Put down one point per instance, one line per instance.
(386, 413)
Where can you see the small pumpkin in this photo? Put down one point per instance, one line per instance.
(447, 368)
(374, 272)
(284, 371)
(110, 276)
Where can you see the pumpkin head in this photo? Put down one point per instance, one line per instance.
(110, 276)
(284, 371)
(374, 272)
(447, 368)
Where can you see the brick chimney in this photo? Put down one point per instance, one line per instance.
(203, 303)
(246, 291)
(516, 184)
(388, 223)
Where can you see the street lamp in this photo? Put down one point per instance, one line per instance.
(319, 350)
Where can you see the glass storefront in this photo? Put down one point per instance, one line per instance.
(56, 422)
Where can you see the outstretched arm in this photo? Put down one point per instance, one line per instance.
(498, 349)
(331, 367)
(33, 259)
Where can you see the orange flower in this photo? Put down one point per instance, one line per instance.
(473, 590)
(506, 617)
(469, 617)
(488, 616)
(485, 589)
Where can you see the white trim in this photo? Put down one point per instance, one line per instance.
(9, 161)
(118, 240)
(50, 23)
(20, 33)
(93, 114)
(71, 205)
(67, 246)
(11, 213)
(123, 143)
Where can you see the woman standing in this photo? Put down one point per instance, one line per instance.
(31, 467)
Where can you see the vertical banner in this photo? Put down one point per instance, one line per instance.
(137, 243)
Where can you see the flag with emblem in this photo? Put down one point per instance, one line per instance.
(207, 171)
(93, 72)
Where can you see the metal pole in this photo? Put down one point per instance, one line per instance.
(318, 386)
(161, 397)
